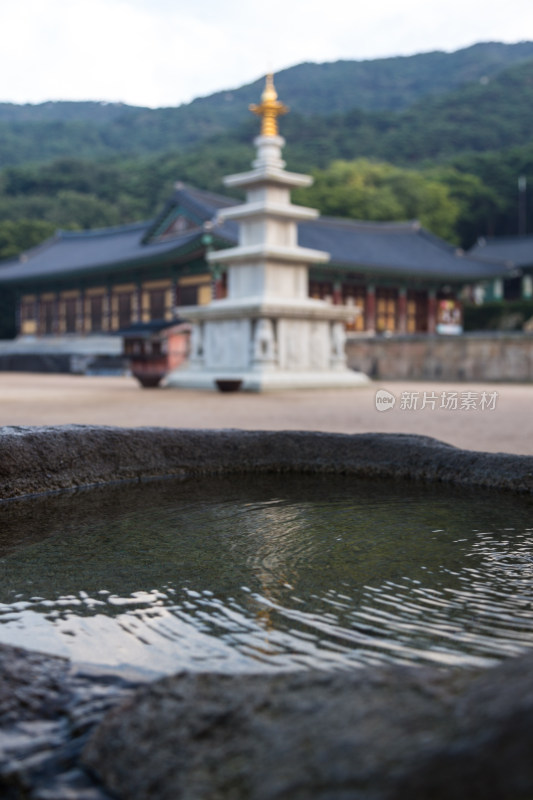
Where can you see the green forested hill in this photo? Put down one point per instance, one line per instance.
(387, 84)
(493, 115)
(98, 113)
(98, 130)
(479, 117)
(459, 123)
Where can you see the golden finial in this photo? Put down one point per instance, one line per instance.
(270, 108)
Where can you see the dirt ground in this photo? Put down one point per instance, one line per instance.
(490, 417)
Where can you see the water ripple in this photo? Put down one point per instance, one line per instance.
(274, 575)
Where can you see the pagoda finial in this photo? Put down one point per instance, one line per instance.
(270, 108)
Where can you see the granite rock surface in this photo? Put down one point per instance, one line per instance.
(35, 460)
(388, 734)
(47, 712)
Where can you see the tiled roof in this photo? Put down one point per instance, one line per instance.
(516, 250)
(84, 252)
(402, 248)
(201, 205)
(380, 248)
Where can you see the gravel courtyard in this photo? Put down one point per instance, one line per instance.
(490, 417)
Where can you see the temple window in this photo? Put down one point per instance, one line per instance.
(70, 314)
(47, 316)
(96, 310)
(386, 310)
(125, 306)
(417, 312)
(157, 299)
(27, 310)
(187, 295)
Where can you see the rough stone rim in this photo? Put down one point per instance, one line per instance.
(36, 460)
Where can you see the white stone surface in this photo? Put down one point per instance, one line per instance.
(91, 344)
(227, 344)
(269, 381)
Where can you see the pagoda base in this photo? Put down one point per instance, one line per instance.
(266, 381)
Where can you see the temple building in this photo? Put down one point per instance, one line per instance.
(392, 276)
(81, 283)
(517, 253)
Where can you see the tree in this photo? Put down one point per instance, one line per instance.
(14, 238)
(17, 236)
(478, 203)
(369, 190)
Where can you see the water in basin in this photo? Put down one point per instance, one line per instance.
(268, 572)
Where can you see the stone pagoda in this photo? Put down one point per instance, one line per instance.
(267, 333)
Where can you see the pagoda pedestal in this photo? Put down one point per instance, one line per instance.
(267, 346)
(267, 332)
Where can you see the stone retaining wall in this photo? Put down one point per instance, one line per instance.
(471, 357)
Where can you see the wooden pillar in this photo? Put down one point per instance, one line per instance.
(55, 317)
(18, 312)
(402, 310)
(80, 312)
(337, 293)
(219, 288)
(37, 313)
(432, 311)
(370, 310)
(137, 303)
(108, 310)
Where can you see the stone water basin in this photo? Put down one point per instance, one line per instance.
(347, 616)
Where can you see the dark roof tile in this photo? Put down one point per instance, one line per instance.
(517, 251)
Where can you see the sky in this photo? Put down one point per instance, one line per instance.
(167, 52)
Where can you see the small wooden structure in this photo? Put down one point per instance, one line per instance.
(155, 348)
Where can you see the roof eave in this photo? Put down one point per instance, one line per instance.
(400, 273)
(194, 246)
